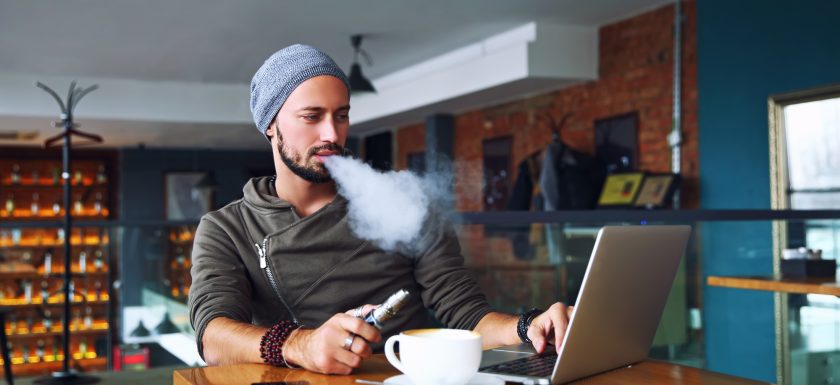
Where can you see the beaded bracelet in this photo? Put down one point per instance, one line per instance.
(525, 322)
(271, 343)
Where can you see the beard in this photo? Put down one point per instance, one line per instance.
(314, 172)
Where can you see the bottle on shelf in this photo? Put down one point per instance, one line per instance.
(10, 204)
(27, 291)
(48, 322)
(77, 319)
(40, 351)
(97, 287)
(101, 177)
(15, 176)
(88, 320)
(47, 262)
(78, 177)
(97, 205)
(27, 257)
(56, 207)
(45, 292)
(34, 207)
(82, 262)
(36, 178)
(17, 234)
(28, 324)
(25, 354)
(98, 261)
(56, 175)
(12, 325)
(59, 236)
(78, 206)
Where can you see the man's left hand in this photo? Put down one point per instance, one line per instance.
(550, 326)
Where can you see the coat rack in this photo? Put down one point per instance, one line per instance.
(67, 375)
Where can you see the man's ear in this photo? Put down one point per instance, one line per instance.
(270, 131)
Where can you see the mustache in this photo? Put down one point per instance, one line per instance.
(339, 149)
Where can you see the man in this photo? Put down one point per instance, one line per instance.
(275, 272)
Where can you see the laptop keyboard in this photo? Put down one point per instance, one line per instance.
(537, 365)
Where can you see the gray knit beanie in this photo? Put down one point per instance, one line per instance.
(281, 74)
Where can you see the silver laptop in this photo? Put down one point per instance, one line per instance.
(621, 300)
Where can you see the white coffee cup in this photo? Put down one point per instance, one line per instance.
(436, 356)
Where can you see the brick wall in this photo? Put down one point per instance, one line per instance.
(635, 74)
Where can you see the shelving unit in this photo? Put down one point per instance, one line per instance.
(179, 251)
(31, 261)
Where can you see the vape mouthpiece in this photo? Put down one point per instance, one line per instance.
(389, 308)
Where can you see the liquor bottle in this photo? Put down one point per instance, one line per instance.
(97, 287)
(48, 322)
(56, 176)
(47, 263)
(15, 177)
(98, 261)
(55, 350)
(56, 207)
(36, 178)
(41, 350)
(45, 292)
(17, 234)
(77, 319)
(97, 205)
(27, 257)
(72, 291)
(33, 207)
(27, 291)
(82, 262)
(10, 204)
(29, 324)
(25, 353)
(83, 348)
(78, 205)
(78, 177)
(101, 177)
(88, 322)
(59, 236)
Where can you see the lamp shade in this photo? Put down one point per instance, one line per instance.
(358, 82)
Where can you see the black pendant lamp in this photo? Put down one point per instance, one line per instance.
(358, 82)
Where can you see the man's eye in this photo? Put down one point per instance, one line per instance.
(343, 117)
(311, 117)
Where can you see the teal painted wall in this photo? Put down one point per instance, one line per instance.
(747, 51)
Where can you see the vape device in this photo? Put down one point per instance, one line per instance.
(387, 309)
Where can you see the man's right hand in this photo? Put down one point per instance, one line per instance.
(322, 350)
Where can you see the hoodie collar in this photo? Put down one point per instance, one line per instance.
(261, 194)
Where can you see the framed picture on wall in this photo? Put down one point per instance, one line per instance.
(183, 199)
(657, 191)
(620, 189)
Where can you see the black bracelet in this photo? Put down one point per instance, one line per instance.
(525, 322)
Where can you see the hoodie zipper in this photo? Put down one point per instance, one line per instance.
(262, 253)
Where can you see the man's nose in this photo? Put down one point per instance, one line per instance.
(328, 131)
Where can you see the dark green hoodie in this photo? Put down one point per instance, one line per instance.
(255, 260)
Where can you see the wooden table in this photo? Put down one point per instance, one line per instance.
(378, 369)
(828, 286)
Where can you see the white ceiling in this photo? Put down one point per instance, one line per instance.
(225, 41)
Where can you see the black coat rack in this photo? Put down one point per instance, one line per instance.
(67, 375)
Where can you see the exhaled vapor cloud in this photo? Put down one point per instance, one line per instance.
(387, 208)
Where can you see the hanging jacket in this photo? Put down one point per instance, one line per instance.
(257, 261)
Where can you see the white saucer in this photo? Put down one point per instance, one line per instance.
(478, 379)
